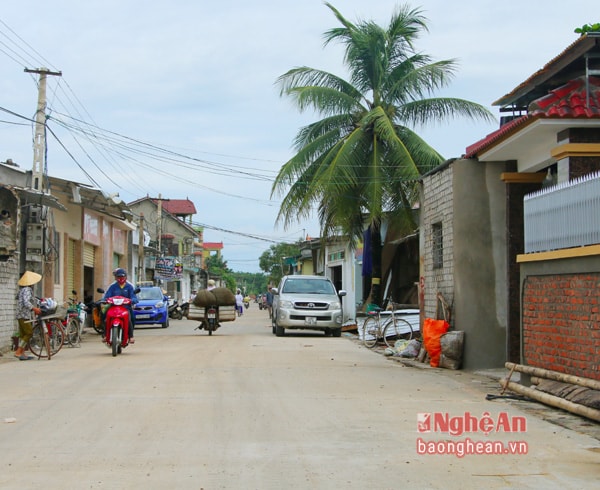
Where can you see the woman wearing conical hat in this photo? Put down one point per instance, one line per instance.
(25, 309)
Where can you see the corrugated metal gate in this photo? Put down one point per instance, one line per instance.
(89, 255)
(70, 279)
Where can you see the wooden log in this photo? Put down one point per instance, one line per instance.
(555, 401)
(556, 376)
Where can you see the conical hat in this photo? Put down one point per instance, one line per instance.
(29, 279)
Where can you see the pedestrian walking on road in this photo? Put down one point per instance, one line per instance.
(239, 303)
(26, 308)
(269, 302)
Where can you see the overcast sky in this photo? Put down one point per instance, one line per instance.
(178, 98)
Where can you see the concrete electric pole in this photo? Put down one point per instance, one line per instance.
(39, 145)
(141, 257)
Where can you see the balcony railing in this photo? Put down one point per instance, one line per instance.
(563, 216)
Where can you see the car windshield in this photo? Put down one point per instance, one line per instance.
(150, 293)
(308, 286)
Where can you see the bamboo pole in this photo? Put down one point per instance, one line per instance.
(555, 401)
(507, 380)
(554, 375)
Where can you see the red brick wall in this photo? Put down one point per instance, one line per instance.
(561, 323)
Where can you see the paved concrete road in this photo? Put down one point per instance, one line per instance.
(244, 409)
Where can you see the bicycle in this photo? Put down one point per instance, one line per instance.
(390, 329)
(72, 324)
(47, 337)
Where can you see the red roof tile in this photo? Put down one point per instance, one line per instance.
(497, 135)
(568, 101)
(212, 245)
(178, 207)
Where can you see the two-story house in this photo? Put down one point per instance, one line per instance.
(509, 234)
(172, 258)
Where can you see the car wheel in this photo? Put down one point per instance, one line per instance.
(166, 323)
(279, 331)
(336, 332)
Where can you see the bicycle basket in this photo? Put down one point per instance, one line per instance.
(48, 306)
(61, 311)
(371, 307)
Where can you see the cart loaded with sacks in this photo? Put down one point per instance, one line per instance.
(211, 308)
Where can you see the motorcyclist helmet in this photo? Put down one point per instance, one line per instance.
(120, 272)
(120, 275)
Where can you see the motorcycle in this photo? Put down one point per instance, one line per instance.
(116, 322)
(211, 316)
(94, 312)
(175, 311)
(211, 320)
(185, 308)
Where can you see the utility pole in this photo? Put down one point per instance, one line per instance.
(160, 224)
(35, 229)
(39, 145)
(141, 258)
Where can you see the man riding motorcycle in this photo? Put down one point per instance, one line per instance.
(122, 287)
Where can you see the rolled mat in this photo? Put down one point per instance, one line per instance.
(217, 296)
(224, 296)
(205, 298)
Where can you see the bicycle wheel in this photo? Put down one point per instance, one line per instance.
(397, 328)
(72, 336)
(370, 331)
(56, 335)
(37, 343)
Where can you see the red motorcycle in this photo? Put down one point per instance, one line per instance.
(116, 324)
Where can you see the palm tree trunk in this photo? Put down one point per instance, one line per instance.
(376, 251)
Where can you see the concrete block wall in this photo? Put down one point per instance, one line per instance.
(561, 323)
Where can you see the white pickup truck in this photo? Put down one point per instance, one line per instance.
(308, 303)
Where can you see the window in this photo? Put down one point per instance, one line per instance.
(437, 240)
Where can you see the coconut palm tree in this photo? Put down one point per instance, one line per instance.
(359, 164)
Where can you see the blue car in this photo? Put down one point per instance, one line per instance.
(152, 308)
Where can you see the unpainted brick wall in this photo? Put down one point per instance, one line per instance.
(438, 203)
(9, 275)
(561, 323)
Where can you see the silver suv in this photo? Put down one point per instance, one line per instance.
(307, 302)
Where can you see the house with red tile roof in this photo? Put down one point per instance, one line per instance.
(183, 209)
(212, 248)
(172, 236)
(510, 232)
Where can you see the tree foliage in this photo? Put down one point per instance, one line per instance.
(217, 267)
(272, 261)
(251, 283)
(360, 163)
(585, 28)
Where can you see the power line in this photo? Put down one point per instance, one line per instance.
(247, 235)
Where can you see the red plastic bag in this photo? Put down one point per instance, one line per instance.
(432, 331)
